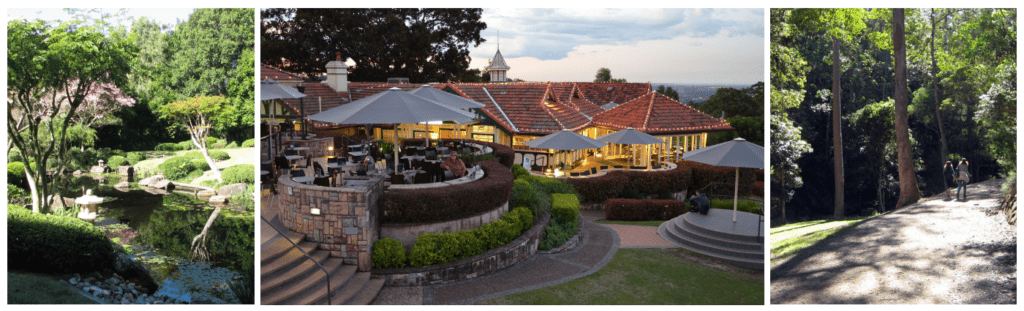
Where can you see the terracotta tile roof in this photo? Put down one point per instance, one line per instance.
(569, 94)
(268, 72)
(360, 90)
(655, 113)
(601, 93)
(531, 107)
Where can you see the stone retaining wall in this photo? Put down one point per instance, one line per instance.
(492, 261)
(347, 223)
(407, 233)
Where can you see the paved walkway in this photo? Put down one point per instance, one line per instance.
(598, 246)
(640, 237)
(932, 252)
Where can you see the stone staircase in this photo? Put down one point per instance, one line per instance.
(741, 250)
(289, 278)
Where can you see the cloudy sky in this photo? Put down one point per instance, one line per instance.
(641, 45)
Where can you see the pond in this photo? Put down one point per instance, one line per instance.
(160, 228)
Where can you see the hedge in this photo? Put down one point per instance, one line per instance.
(135, 157)
(241, 173)
(16, 174)
(388, 253)
(505, 154)
(168, 147)
(565, 207)
(599, 189)
(633, 209)
(218, 155)
(46, 243)
(438, 248)
(450, 202)
(686, 176)
(249, 143)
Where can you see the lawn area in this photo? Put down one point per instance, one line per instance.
(791, 238)
(648, 277)
(238, 156)
(25, 288)
(649, 223)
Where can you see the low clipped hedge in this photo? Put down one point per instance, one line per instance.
(565, 207)
(135, 157)
(599, 189)
(409, 206)
(634, 209)
(168, 147)
(218, 155)
(241, 173)
(686, 176)
(249, 143)
(703, 175)
(46, 243)
(115, 161)
(556, 233)
(388, 253)
(438, 248)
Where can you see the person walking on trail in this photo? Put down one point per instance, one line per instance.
(948, 172)
(963, 177)
(699, 203)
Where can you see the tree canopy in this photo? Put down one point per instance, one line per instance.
(424, 45)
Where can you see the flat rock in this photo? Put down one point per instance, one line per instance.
(150, 180)
(219, 200)
(231, 189)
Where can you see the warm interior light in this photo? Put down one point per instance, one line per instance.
(331, 148)
(314, 211)
(433, 135)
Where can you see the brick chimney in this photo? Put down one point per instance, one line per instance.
(337, 74)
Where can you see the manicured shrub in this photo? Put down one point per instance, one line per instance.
(55, 244)
(177, 168)
(742, 205)
(249, 143)
(519, 172)
(565, 207)
(241, 173)
(523, 194)
(633, 209)
(551, 185)
(599, 189)
(168, 147)
(437, 248)
(388, 253)
(186, 145)
(448, 203)
(218, 155)
(232, 145)
(16, 174)
(135, 157)
(116, 161)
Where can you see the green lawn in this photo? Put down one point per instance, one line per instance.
(24, 288)
(649, 223)
(648, 277)
(238, 156)
(791, 238)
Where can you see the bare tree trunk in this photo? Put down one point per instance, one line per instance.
(908, 179)
(837, 132)
(935, 90)
(199, 242)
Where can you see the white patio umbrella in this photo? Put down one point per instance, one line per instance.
(271, 90)
(565, 140)
(734, 153)
(449, 99)
(629, 136)
(391, 106)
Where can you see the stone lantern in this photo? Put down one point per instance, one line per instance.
(89, 205)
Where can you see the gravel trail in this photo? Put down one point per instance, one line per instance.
(936, 251)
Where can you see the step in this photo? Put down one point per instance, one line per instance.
(742, 262)
(701, 235)
(723, 235)
(302, 283)
(349, 290)
(369, 292)
(280, 246)
(291, 258)
(287, 274)
(314, 294)
(706, 247)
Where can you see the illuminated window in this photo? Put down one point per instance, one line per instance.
(483, 129)
(484, 137)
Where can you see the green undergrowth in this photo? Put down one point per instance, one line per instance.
(789, 239)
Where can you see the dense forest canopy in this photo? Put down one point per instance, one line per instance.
(961, 85)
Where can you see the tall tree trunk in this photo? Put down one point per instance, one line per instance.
(837, 131)
(908, 179)
(935, 90)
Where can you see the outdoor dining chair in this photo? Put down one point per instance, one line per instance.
(431, 155)
(448, 175)
(604, 167)
(585, 173)
(574, 174)
(397, 179)
(421, 178)
(318, 170)
(593, 170)
(322, 181)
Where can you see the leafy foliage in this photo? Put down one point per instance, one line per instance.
(39, 242)
(388, 253)
(437, 248)
(241, 173)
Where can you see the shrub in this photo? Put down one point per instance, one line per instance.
(599, 189)
(168, 147)
(565, 207)
(218, 155)
(16, 174)
(556, 233)
(45, 243)
(388, 253)
(249, 143)
(743, 205)
(186, 145)
(448, 203)
(177, 168)
(241, 173)
(523, 194)
(135, 157)
(519, 172)
(551, 185)
(116, 161)
(437, 248)
(634, 209)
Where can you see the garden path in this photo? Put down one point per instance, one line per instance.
(936, 251)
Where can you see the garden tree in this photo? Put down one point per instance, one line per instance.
(206, 55)
(605, 75)
(424, 45)
(875, 132)
(668, 92)
(201, 116)
(909, 193)
(788, 70)
(51, 73)
(747, 102)
(838, 24)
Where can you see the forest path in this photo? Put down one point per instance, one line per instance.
(936, 251)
